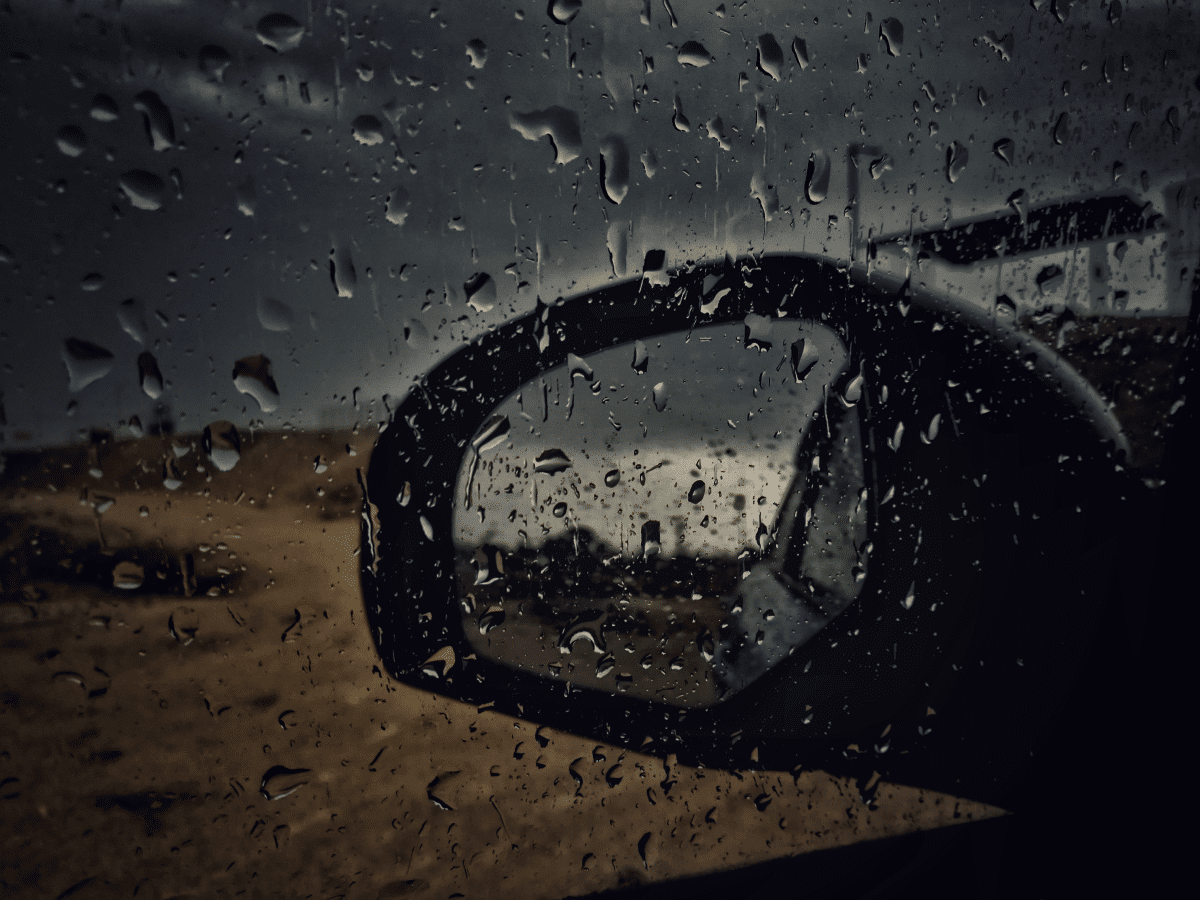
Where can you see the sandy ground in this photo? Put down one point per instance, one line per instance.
(137, 725)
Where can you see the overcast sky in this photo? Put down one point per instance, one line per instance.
(266, 177)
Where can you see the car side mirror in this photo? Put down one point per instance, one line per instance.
(765, 511)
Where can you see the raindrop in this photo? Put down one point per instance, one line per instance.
(880, 166)
(398, 202)
(280, 32)
(563, 11)
(128, 575)
(71, 140)
(93, 281)
(897, 436)
(642, 843)
(560, 509)
(660, 396)
(1120, 250)
(104, 108)
(907, 602)
(1050, 279)
(342, 272)
(132, 317)
(480, 291)
(1004, 149)
(579, 368)
(892, 32)
(280, 781)
(551, 462)
(493, 618)
(160, 127)
(803, 357)
(649, 163)
(492, 435)
(1060, 128)
(612, 478)
(605, 665)
(172, 478)
(800, 51)
(929, 434)
(1114, 12)
(956, 161)
(1002, 45)
(692, 53)
(853, 392)
(678, 119)
(214, 61)
(86, 362)
(696, 492)
(618, 248)
(765, 194)
(274, 315)
(426, 528)
(770, 57)
(145, 190)
(614, 168)
(559, 124)
(651, 543)
(222, 444)
(405, 495)
(247, 197)
(641, 358)
(252, 375)
(477, 52)
(816, 182)
(367, 129)
(149, 376)
(1017, 201)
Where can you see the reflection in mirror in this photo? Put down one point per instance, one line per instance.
(670, 518)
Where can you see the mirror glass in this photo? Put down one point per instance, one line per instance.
(668, 518)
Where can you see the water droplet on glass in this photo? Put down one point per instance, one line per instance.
(1017, 201)
(660, 396)
(892, 32)
(132, 318)
(931, 432)
(222, 444)
(274, 315)
(696, 492)
(563, 11)
(246, 197)
(128, 575)
(71, 140)
(1120, 250)
(398, 202)
(651, 542)
(149, 376)
(1004, 149)
(612, 477)
(405, 495)
(1050, 279)
(480, 291)
(367, 129)
(853, 392)
(678, 119)
(880, 166)
(280, 32)
(641, 358)
(145, 190)
(770, 57)
(614, 168)
(816, 182)
(477, 52)
(649, 163)
(800, 51)
(551, 462)
(910, 596)
(214, 61)
(104, 108)
(252, 375)
(342, 272)
(280, 781)
(897, 436)
(492, 435)
(1002, 45)
(92, 281)
(172, 478)
(1061, 127)
(160, 127)
(692, 53)
(559, 124)
(618, 247)
(605, 665)
(493, 618)
(427, 528)
(440, 662)
(765, 194)
(579, 368)
(956, 161)
(86, 362)
(560, 510)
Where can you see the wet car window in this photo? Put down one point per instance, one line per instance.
(545, 449)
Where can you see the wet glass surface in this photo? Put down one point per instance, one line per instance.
(238, 237)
